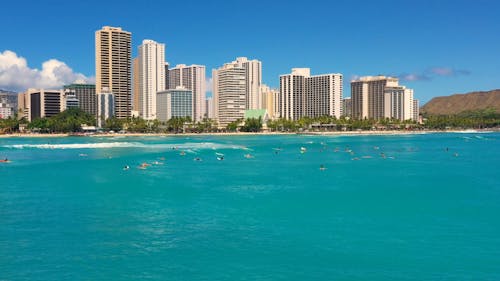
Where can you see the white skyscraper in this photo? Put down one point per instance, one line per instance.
(151, 76)
(253, 73)
(236, 87)
(193, 78)
(398, 103)
(313, 96)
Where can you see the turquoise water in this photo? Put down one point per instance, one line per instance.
(68, 210)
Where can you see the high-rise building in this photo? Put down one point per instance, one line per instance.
(113, 66)
(347, 107)
(136, 90)
(193, 78)
(105, 106)
(174, 103)
(398, 103)
(167, 76)
(151, 76)
(236, 87)
(229, 91)
(268, 100)
(253, 73)
(416, 109)
(378, 97)
(8, 104)
(39, 103)
(70, 100)
(209, 108)
(86, 95)
(304, 95)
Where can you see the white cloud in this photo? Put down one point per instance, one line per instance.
(16, 75)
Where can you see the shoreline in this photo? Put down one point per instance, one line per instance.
(334, 133)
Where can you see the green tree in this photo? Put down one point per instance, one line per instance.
(9, 125)
(233, 126)
(176, 124)
(252, 125)
(113, 124)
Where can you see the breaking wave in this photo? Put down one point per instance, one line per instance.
(189, 147)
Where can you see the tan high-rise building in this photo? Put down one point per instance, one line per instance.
(113, 67)
(368, 96)
(378, 97)
(136, 92)
(268, 100)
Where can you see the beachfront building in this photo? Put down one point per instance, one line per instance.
(191, 77)
(303, 95)
(105, 106)
(8, 104)
(379, 97)
(136, 90)
(39, 103)
(398, 103)
(209, 108)
(70, 100)
(253, 79)
(347, 107)
(269, 99)
(113, 67)
(416, 109)
(229, 90)
(151, 76)
(236, 87)
(174, 103)
(86, 95)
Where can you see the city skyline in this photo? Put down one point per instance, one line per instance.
(422, 44)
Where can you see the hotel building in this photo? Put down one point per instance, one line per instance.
(174, 103)
(113, 66)
(304, 95)
(39, 103)
(105, 107)
(236, 87)
(86, 95)
(378, 97)
(269, 99)
(209, 108)
(136, 90)
(151, 76)
(416, 109)
(347, 107)
(193, 78)
(8, 104)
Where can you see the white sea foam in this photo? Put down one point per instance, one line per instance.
(188, 147)
(76, 145)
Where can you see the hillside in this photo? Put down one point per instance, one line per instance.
(457, 103)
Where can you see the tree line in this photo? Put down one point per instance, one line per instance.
(70, 121)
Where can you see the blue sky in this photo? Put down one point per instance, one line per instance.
(436, 47)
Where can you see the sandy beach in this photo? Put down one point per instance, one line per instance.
(328, 133)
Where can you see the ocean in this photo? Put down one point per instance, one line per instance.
(270, 207)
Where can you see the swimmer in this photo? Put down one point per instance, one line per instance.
(126, 167)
